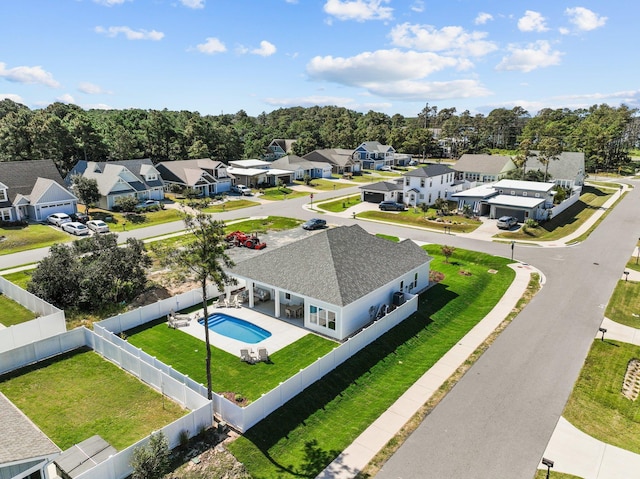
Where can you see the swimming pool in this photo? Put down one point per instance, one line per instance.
(236, 328)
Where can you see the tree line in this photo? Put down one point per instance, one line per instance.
(67, 133)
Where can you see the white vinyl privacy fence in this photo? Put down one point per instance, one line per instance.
(238, 417)
(174, 385)
(50, 320)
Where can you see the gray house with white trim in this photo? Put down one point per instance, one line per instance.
(206, 176)
(341, 279)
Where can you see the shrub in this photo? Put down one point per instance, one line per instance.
(531, 223)
(151, 461)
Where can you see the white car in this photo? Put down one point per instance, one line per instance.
(75, 228)
(386, 168)
(98, 226)
(58, 219)
(243, 190)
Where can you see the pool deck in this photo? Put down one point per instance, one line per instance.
(282, 332)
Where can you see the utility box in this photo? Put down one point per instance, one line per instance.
(398, 298)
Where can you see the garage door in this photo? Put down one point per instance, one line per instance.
(510, 212)
(371, 197)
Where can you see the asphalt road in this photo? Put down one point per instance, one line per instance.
(497, 421)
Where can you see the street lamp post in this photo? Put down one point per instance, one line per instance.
(549, 464)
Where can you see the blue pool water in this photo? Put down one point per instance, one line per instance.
(236, 328)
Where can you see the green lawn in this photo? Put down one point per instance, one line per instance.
(283, 193)
(134, 221)
(307, 433)
(542, 474)
(458, 224)
(323, 184)
(624, 304)
(187, 354)
(13, 313)
(566, 222)
(339, 205)
(230, 205)
(30, 237)
(597, 405)
(20, 278)
(74, 396)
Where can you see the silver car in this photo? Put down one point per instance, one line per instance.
(58, 219)
(75, 228)
(98, 226)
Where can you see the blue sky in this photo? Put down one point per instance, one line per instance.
(392, 56)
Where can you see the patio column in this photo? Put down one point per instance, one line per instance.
(250, 288)
(276, 294)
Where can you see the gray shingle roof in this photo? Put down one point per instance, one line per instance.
(20, 176)
(20, 439)
(338, 265)
(481, 163)
(383, 186)
(429, 171)
(568, 166)
(335, 156)
(184, 171)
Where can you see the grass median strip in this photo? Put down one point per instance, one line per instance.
(307, 433)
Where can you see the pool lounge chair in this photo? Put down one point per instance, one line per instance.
(246, 356)
(235, 301)
(263, 355)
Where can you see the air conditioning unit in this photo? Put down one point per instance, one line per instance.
(398, 298)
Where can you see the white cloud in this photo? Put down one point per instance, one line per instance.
(66, 98)
(380, 66)
(359, 10)
(266, 49)
(482, 18)
(12, 97)
(97, 106)
(418, 91)
(195, 4)
(418, 6)
(110, 3)
(564, 31)
(532, 22)
(30, 75)
(584, 19)
(291, 1)
(447, 39)
(92, 89)
(535, 55)
(130, 34)
(210, 46)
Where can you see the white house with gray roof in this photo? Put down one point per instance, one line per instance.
(135, 178)
(206, 176)
(340, 280)
(382, 191)
(427, 183)
(299, 167)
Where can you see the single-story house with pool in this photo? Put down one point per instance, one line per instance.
(341, 280)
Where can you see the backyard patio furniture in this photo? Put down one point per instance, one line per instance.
(247, 356)
(263, 355)
(235, 301)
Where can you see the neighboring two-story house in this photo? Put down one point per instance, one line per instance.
(567, 171)
(279, 148)
(135, 178)
(427, 183)
(373, 155)
(33, 190)
(208, 177)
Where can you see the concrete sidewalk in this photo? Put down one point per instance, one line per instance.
(355, 457)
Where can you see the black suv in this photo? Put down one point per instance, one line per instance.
(391, 206)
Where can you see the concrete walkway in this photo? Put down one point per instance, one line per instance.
(355, 457)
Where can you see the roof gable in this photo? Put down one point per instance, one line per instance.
(486, 164)
(430, 171)
(325, 268)
(21, 176)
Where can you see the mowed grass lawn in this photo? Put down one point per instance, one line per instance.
(77, 395)
(30, 237)
(339, 205)
(624, 306)
(301, 438)
(568, 221)
(414, 217)
(597, 405)
(13, 313)
(186, 354)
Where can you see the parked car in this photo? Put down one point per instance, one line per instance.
(58, 219)
(98, 226)
(413, 163)
(507, 222)
(314, 224)
(391, 206)
(80, 218)
(386, 168)
(75, 228)
(147, 204)
(242, 189)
